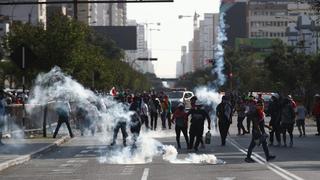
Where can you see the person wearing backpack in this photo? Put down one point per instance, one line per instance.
(224, 114)
(180, 119)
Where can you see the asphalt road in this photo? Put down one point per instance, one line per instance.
(79, 159)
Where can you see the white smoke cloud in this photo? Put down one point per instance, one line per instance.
(106, 112)
(219, 53)
(209, 95)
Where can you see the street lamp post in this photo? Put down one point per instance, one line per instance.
(151, 29)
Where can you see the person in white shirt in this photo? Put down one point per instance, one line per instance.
(144, 111)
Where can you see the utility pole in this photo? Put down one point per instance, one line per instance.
(75, 9)
(23, 87)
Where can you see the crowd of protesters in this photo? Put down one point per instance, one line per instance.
(151, 106)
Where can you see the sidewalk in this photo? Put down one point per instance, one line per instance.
(18, 151)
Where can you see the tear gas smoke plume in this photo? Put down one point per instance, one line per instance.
(105, 112)
(209, 95)
(211, 99)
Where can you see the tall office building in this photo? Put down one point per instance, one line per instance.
(270, 19)
(208, 38)
(235, 17)
(97, 14)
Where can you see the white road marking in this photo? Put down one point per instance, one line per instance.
(61, 171)
(128, 170)
(276, 169)
(84, 151)
(226, 178)
(78, 161)
(145, 174)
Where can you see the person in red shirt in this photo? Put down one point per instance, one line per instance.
(180, 119)
(316, 112)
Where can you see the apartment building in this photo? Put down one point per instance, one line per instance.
(94, 14)
(208, 38)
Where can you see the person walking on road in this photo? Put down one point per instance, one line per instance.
(316, 112)
(274, 110)
(2, 114)
(287, 120)
(121, 124)
(241, 112)
(155, 109)
(165, 109)
(198, 116)
(301, 113)
(251, 109)
(144, 112)
(259, 135)
(135, 121)
(180, 119)
(224, 114)
(63, 110)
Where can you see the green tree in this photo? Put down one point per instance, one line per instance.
(71, 45)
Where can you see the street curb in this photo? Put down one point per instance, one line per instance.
(25, 158)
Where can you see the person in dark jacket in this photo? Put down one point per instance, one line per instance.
(180, 119)
(287, 120)
(63, 110)
(274, 110)
(224, 114)
(155, 110)
(198, 116)
(135, 121)
(259, 135)
(2, 114)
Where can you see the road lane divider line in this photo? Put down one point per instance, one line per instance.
(276, 169)
(145, 174)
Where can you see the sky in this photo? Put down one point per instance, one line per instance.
(174, 32)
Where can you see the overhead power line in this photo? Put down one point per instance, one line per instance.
(27, 2)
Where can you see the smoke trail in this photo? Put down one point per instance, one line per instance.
(219, 53)
(211, 99)
(209, 95)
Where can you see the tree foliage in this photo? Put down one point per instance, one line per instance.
(282, 70)
(71, 45)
